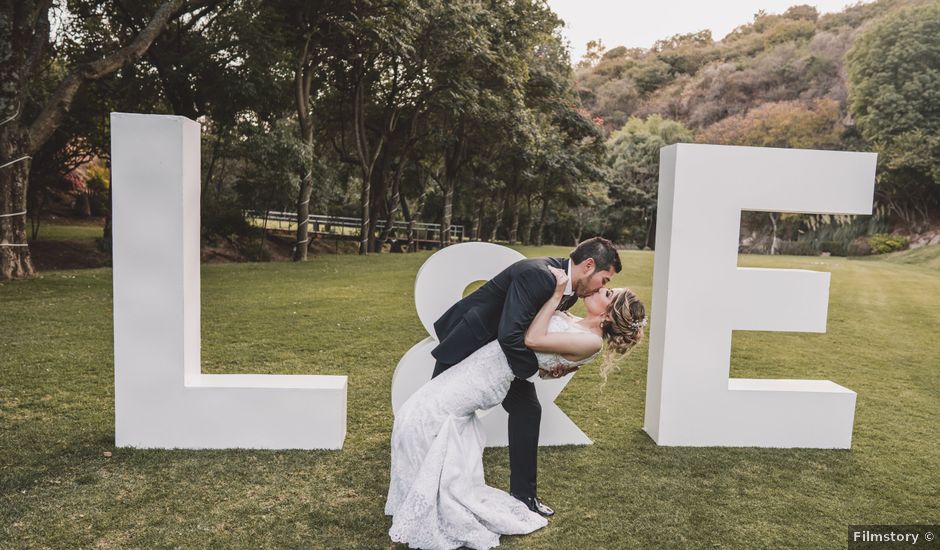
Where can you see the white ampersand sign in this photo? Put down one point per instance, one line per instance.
(440, 284)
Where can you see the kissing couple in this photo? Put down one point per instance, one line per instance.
(493, 344)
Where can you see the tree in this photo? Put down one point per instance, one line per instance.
(593, 53)
(633, 161)
(274, 159)
(213, 63)
(312, 35)
(586, 211)
(894, 93)
(379, 91)
(487, 69)
(27, 126)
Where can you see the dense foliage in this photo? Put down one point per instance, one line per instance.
(469, 113)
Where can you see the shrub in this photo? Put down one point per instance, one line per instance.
(859, 247)
(97, 183)
(789, 30)
(835, 248)
(797, 248)
(251, 247)
(221, 219)
(882, 243)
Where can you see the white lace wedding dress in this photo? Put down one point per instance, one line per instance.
(437, 497)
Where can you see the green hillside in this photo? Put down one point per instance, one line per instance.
(795, 56)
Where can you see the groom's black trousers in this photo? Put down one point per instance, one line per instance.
(525, 418)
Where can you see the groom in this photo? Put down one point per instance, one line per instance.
(502, 309)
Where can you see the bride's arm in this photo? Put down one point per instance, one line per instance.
(568, 344)
(573, 346)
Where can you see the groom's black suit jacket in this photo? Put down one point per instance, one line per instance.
(501, 309)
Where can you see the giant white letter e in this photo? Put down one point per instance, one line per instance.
(700, 296)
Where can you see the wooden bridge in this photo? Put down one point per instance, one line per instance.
(424, 236)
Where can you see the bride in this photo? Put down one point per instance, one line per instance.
(437, 496)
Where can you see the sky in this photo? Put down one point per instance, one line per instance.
(635, 23)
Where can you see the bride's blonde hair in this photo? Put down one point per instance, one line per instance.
(623, 331)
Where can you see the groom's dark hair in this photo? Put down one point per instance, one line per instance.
(603, 251)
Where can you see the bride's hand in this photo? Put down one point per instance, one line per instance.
(556, 372)
(561, 280)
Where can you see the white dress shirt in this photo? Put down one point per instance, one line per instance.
(568, 290)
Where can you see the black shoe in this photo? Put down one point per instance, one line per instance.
(536, 505)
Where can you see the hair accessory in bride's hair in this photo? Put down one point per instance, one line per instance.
(634, 325)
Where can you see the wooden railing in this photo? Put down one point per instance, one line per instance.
(347, 227)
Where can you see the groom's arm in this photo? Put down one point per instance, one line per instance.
(529, 290)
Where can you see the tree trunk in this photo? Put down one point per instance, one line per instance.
(367, 156)
(514, 226)
(366, 192)
(392, 206)
(512, 194)
(378, 201)
(454, 157)
(448, 212)
(212, 160)
(406, 212)
(364, 215)
(303, 84)
(84, 202)
(24, 33)
(773, 237)
(474, 227)
(394, 203)
(375, 245)
(651, 231)
(413, 218)
(500, 207)
(478, 221)
(264, 231)
(580, 228)
(540, 232)
(302, 243)
(22, 28)
(15, 260)
(527, 226)
(533, 230)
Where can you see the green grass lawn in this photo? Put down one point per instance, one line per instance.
(355, 316)
(926, 256)
(49, 231)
